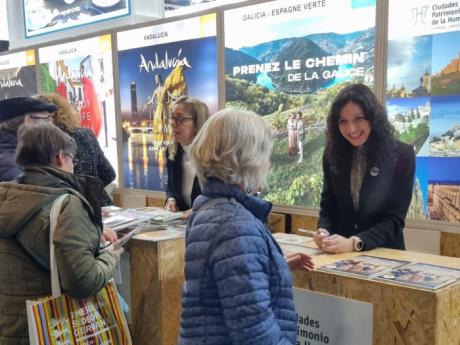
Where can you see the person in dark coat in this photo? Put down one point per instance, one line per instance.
(368, 177)
(13, 113)
(182, 187)
(238, 288)
(90, 159)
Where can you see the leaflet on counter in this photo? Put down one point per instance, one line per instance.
(424, 276)
(362, 266)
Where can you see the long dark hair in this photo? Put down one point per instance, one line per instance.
(380, 145)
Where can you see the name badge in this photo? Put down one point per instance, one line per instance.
(374, 171)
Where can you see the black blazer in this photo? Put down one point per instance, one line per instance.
(173, 186)
(383, 202)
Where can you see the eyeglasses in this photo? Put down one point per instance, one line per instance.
(179, 120)
(42, 117)
(72, 158)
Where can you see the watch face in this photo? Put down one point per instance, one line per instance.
(358, 244)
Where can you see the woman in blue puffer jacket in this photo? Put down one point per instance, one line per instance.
(238, 288)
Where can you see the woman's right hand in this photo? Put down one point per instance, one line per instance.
(319, 236)
(117, 251)
(171, 205)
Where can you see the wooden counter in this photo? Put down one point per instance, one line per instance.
(402, 315)
(157, 275)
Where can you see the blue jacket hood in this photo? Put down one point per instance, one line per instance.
(215, 188)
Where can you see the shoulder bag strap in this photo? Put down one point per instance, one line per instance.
(54, 214)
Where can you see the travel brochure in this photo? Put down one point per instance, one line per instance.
(295, 248)
(291, 238)
(421, 275)
(149, 217)
(424, 276)
(291, 243)
(364, 266)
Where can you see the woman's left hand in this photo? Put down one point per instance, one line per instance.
(108, 235)
(336, 244)
(299, 261)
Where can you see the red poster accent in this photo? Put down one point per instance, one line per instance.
(90, 113)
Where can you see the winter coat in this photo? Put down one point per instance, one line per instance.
(238, 288)
(8, 167)
(24, 245)
(91, 161)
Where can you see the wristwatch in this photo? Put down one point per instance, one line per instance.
(357, 243)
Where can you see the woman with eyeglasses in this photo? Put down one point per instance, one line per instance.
(368, 177)
(182, 186)
(47, 153)
(89, 158)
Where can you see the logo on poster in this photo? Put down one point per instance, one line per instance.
(419, 14)
(166, 63)
(10, 82)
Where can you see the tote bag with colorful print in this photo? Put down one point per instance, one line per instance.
(64, 320)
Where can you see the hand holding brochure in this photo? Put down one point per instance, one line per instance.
(123, 239)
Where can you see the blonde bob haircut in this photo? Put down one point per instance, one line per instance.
(235, 147)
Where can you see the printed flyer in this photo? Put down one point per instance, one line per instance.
(429, 277)
(45, 16)
(423, 99)
(18, 75)
(363, 266)
(157, 65)
(82, 72)
(287, 60)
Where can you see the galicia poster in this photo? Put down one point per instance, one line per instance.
(158, 64)
(82, 72)
(17, 75)
(45, 16)
(423, 99)
(287, 60)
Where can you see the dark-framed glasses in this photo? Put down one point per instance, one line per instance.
(179, 120)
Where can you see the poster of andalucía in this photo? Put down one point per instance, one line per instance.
(17, 75)
(287, 60)
(423, 99)
(82, 72)
(158, 64)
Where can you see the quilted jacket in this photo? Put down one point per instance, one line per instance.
(238, 288)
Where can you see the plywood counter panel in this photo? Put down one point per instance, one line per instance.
(403, 315)
(157, 275)
(450, 244)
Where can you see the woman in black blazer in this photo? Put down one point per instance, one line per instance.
(368, 177)
(182, 187)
